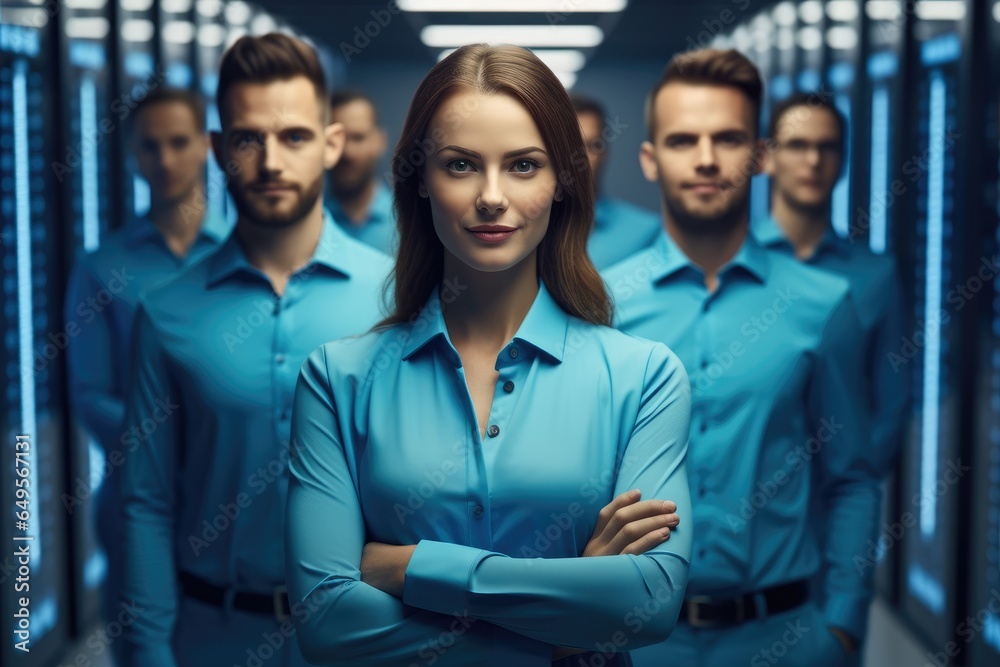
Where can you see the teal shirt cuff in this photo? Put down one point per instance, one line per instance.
(849, 613)
(437, 578)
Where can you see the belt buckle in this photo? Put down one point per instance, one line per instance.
(695, 621)
(279, 607)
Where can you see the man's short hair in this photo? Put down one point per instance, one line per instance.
(812, 101)
(585, 104)
(713, 67)
(268, 58)
(345, 96)
(165, 95)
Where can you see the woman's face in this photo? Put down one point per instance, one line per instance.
(489, 179)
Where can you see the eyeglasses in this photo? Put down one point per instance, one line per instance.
(799, 148)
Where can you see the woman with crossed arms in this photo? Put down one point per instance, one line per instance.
(466, 478)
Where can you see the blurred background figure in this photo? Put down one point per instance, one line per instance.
(170, 145)
(620, 228)
(361, 203)
(805, 160)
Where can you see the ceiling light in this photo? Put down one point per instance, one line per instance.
(561, 6)
(79, 27)
(811, 11)
(209, 8)
(211, 35)
(175, 6)
(238, 13)
(85, 4)
(883, 10)
(135, 5)
(263, 24)
(842, 37)
(178, 32)
(809, 38)
(941, 10)
(566, 78)
(137, 30)
(444, 36)
(842, 10)
(784, 14)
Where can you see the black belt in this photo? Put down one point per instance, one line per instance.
(709, 612)
(275, 604)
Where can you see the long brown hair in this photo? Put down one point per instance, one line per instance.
(563, 264)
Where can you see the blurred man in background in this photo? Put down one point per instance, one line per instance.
(170, 146)
(361, 204)
(620, 228)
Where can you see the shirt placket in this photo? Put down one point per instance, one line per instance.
(702, 391)
(282, 371)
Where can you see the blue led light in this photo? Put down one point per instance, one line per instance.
(841, 75)
(26, 332)
(88, 168)
(781, 87)
(878, 195)
(926, 588)
(930, 412)
(940, 50)
(19, 39)
(138, 64)
(87, 55)
(179, 75)
(809, 80)
(839, 214)
(882, 65)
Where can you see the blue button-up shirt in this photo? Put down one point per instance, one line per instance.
(217, 354)
(101, 300)
(620, 229)
(877, 294)
(775, 370)
(387, 448)
(379, 227)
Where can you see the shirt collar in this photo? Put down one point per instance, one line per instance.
(331, 252)
(770, 235)
(751, 258)
(140, 230)
(544, 328)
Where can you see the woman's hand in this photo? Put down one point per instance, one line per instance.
(383, 566)
(628, 526)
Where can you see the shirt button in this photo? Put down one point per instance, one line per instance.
(280, 358)
(493, 431)
(508, 386)
(513, 353)
(704, 363)
(277, 307)
(701, 491)
(286, 414)
(478, 511)
(704, 427)
(702, 553)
